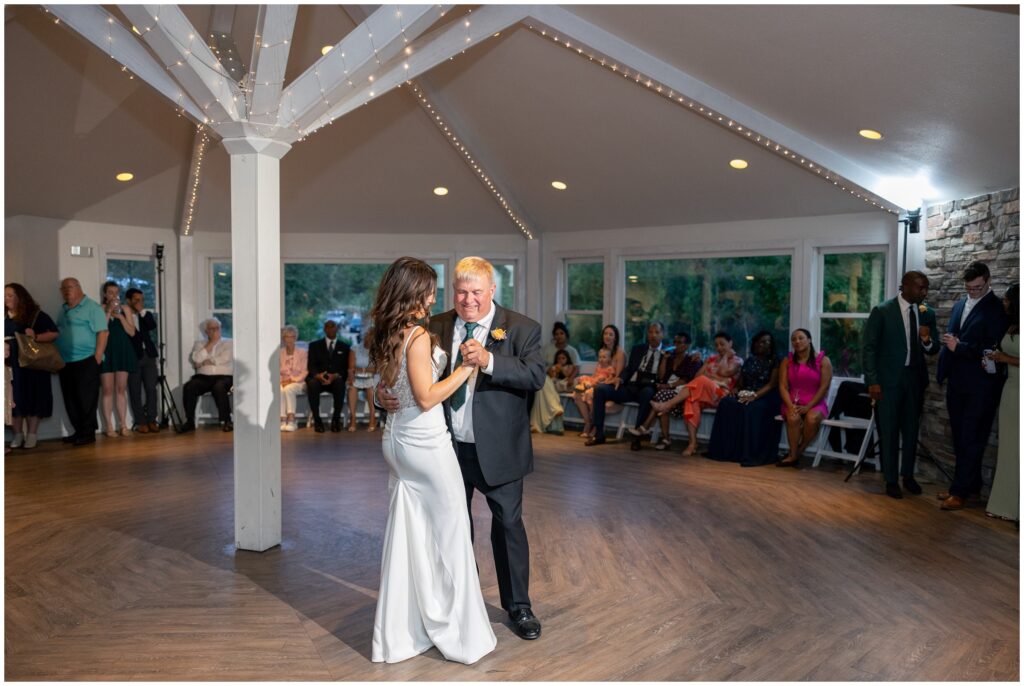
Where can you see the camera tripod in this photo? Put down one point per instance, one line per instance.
(169, 414)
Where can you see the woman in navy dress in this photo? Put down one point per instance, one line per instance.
(33, 395)
(745, 428)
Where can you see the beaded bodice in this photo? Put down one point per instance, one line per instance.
(402, 389)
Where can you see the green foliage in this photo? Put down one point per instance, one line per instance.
(586, 286)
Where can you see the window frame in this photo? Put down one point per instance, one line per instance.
(138, 257)
(818, 282)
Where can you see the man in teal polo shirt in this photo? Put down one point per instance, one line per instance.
(83, 338)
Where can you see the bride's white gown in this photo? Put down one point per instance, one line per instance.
(429, 589)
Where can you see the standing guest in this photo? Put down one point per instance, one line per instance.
(636, 382)
(977, 324)
(362, 376)
(584, 395)
(329, 361)
(82, 323)
(31, 395)
(716, 379)
(213, 359)
(898, 334)
(559, 341)
(677, 369)
(1004, 499)
(146, 355)
(745, 429)
(118, 360)
(804, 378)
(294, 368)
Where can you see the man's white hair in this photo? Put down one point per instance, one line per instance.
(474, 268)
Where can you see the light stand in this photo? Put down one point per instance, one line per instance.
(168, 409)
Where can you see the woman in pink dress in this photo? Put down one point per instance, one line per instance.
(804, 378)
(713, 382)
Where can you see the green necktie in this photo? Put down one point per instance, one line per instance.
(459, 396)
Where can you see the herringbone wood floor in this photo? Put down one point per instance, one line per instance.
(645, 566)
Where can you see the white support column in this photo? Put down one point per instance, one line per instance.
(188, 311)
(255, 288)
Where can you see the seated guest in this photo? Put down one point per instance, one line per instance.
(676, 369)
(31, 396)
(329, 361)
(559, 341)
(362, 376)
(611, 341)
(717, 377)
(636, 383)
(546, 413)
(804, 378)
(745, 429)
(293, 375)
(584, 395)
(213, 360)
(82, 324)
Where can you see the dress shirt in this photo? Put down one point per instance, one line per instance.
(462, 418)
(294, 366)
(969, 305)
(223, 357)
(910, 331)
(649, 363)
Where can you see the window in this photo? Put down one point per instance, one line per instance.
(584, 305)
(136, 272)
(315, 292)
(505, 280)
(852, 283)
(220, 295)
(738, 295)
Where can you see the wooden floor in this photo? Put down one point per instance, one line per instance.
(645, 566)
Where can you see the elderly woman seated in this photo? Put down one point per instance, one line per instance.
(293, 375)
(213, 360)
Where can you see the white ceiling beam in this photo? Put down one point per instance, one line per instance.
(448, 122)
(590, 40)
(100, 28)
(383, 35)
(269, 61)
(424, 54)
(185, 53)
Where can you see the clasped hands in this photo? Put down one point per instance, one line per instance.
(473, 355)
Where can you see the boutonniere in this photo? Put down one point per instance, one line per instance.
(499, 334)
(922, 308)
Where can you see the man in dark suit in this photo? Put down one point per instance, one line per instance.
(636, 383)
(146, 376)
(489, 420)
(327, 363)
(898, 334)
(977, 324)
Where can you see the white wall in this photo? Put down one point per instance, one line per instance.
(802, 238)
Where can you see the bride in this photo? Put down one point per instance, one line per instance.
(429, 589)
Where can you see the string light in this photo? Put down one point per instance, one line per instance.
(467, 156)
(665, 91)
(194, 177)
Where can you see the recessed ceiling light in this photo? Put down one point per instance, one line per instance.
(440, 190)
(738, 164)
(558, 185)
(870, 134)
(125, 176)
(326, 49)
(749, 277)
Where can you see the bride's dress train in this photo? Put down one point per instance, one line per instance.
(429, 588)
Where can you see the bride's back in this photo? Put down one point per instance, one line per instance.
(402, 388)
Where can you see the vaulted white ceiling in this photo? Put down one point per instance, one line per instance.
(941, 83)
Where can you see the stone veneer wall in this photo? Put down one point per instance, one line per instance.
(985, 228)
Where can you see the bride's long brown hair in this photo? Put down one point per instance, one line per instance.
(404, 293)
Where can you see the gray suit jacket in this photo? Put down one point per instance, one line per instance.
(501, 415)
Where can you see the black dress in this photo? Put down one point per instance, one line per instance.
(748, 434)
(33, 395)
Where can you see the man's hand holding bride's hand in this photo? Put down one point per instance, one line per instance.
(474, 354)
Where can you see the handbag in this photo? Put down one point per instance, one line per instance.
(32, 354)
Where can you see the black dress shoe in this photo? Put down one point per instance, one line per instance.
(187, 427)
(595, 440)
(526, 626)
(635, 444)
(68, 439)
(318, 425)
(912, 486)
(227, 426)
(336, 425)
(84, 440)
(893, 491)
